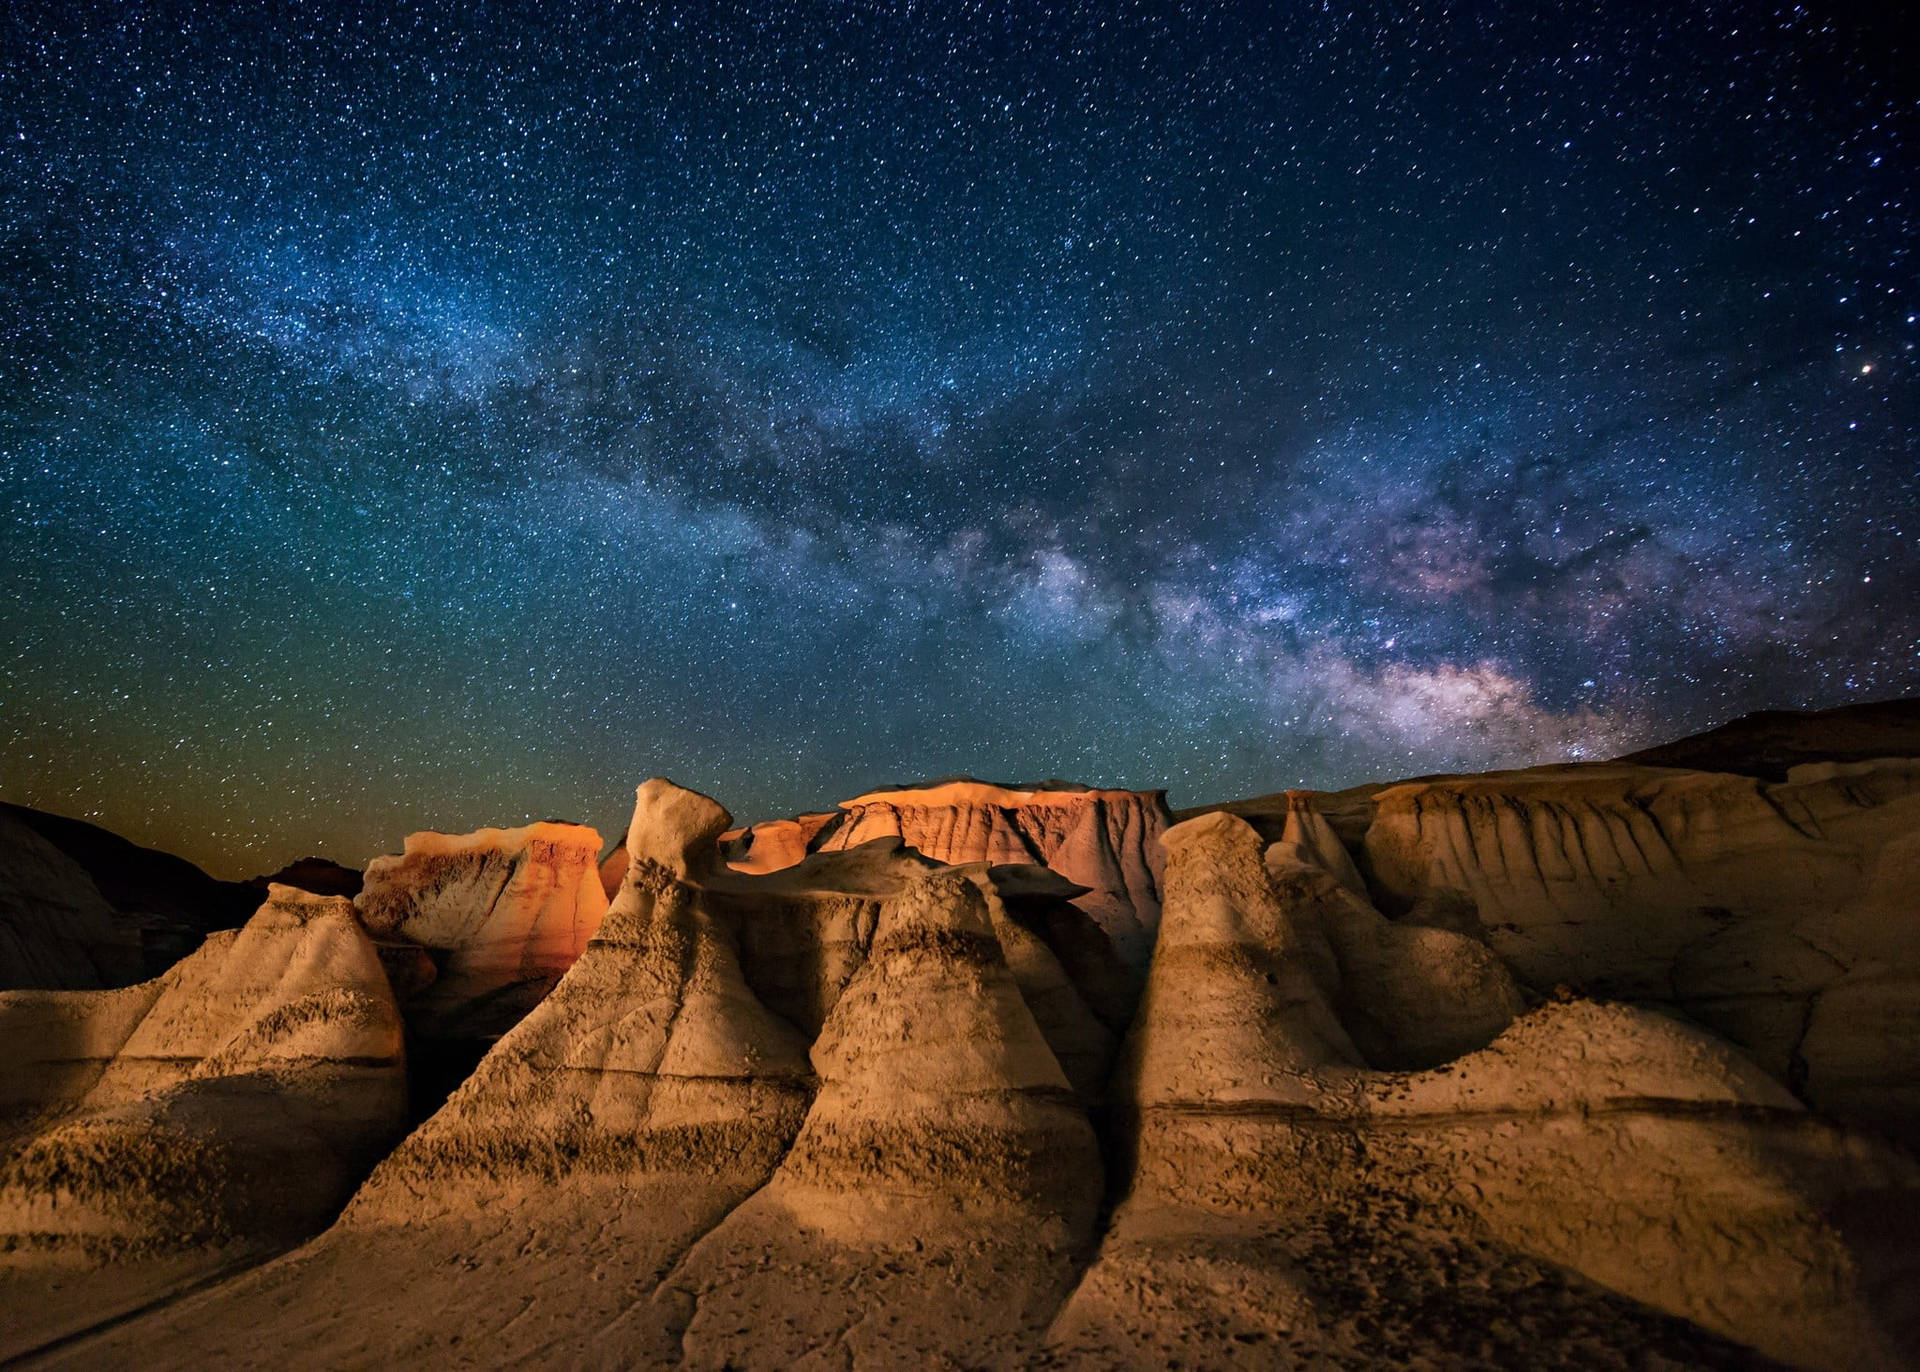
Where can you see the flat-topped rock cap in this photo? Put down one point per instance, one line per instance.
(965, 790)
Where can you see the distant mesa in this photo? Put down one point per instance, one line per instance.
(82, 907)
(317, 875)
(1767, 743)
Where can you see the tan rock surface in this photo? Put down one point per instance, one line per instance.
(938, 1200)
(1600, 1178)
(155, 1134)
(1339, 1138)
(1763, 910)
(533, 1216)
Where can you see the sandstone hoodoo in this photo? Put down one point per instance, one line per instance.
(154, 1134)
(1104, 841)
(1600, 1172)
(535, 1214)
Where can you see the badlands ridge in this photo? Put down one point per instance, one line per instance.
(1609, 1065)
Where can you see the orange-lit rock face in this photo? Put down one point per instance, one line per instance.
(775, 844)
(1107, 841)
(509, 910)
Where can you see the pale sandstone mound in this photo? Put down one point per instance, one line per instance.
(168, 1128)
(1781, 915)
(1599, 1179)
(1237, 995)
(1103, 840)
(503, 913)
(534, 1214)
(938, 1199)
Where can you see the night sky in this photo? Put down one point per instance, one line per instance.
(419, 418)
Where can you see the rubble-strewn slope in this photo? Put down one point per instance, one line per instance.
(158, 1132)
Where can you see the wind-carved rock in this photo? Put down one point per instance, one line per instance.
(653, 1091)
(155, 1134)
(943, 1187)
(503, 914)
(537, 1211)
(1778, 914)
(1598, 1177)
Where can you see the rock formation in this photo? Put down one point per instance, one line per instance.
(943, 1187)
(1767, 743)
(503, 912)
(56, 930)
(1586, 1065)
(1778, 914)
(1105, 841)
(534, 1215)
(321, 876)
(1599, 1178)
(152, 1134)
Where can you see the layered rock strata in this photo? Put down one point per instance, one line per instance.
(1103, 840)
(502, 913)
(156, 1133)
(1598, 1178)
(944, 1186)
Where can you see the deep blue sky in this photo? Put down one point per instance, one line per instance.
(436, 417)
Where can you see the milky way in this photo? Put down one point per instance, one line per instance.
(434, 418)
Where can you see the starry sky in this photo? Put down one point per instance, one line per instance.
(432, 417)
